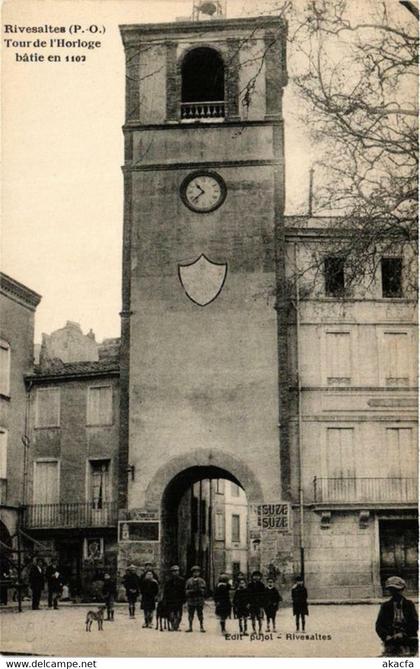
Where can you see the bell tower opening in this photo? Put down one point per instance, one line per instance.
(203, 84)
(205, 522)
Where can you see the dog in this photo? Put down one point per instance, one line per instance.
(162, 617)
(95, 615)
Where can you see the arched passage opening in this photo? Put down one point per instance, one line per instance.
(205, 522)
(203, 84)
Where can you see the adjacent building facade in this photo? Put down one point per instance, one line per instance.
(17, 309)
(354, 408)
(71, 497)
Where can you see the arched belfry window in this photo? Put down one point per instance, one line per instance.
(203, 84)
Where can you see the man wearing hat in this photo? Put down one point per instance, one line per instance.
(174, 597)
(195, 590)
(397, 621)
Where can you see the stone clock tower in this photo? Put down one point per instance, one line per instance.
(203, 331)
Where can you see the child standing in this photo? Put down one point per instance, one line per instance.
(109, 592)
(300, 602)
(256, 592)
(241, 605)
(222, 600)
(149, 589)
(131, 584)
(271, 604)
(195, 591)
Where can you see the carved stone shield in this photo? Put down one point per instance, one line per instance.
(202, 280)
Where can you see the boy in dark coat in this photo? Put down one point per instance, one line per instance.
(109, 592)
(222, 600)
(271, 603)
(174, 597)
(397, 621)
(50, 570)
(131, 583)
(241, 605)
(256, 592)
(195, 591)
(149, 589)
(56, 586)
(300, 602)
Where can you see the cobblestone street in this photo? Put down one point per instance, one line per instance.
(332, 631)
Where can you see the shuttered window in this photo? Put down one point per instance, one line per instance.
(4, 368)
(400, 456)
(340, 452)
(46, 482)
(219, 530)
(99, 405)
(396, 358)
(47, 407)
(338, 353)
(3, 454)
(236, 528)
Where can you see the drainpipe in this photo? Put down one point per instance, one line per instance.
(299, 430)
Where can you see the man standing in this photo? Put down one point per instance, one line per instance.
(195, 590)
(49, 572)
(397, 621)
(36, 581)
(174, 597)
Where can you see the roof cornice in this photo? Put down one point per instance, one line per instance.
(18, 292)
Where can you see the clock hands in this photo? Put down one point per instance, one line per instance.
(200, 194)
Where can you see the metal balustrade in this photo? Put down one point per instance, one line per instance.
(202, 110)
(71, 515)
(380, 490)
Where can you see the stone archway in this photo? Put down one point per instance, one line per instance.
(203, 457)
(173, 479)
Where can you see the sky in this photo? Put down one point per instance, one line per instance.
(62, 149)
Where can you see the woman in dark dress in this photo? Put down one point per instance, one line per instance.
(300, 602)
(222, 600)
(149, 589)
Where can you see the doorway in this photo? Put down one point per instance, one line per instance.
(399, 551)
(205, 522)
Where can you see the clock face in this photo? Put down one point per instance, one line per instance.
(203, 191)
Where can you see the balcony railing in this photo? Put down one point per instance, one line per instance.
(372, 490)
(71, 515)
(202, 110)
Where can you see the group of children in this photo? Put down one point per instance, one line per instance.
(254, 600)
(251, 601)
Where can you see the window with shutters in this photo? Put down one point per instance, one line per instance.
(3, 453)
(219, 528)
(236, 528)
(220, 486)
(338, 354)
(99, 405)
(46, 482)
(396, 358)
(4, 368)
(400, 456)
(340, 452)
(99, 484)
(47, 410)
